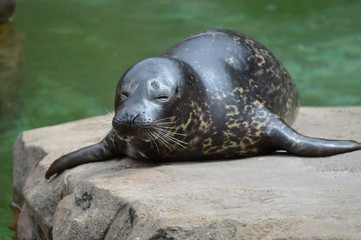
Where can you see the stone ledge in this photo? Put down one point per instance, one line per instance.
(270, 197)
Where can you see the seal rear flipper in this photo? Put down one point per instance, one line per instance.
(284, 137)
(101, 151)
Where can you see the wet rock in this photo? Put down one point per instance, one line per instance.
(273, 197)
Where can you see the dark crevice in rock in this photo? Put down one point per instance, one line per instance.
(111, 223)
(125, 218)
(83, 201)
(162, 234)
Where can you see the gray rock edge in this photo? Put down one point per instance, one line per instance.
(277, 196)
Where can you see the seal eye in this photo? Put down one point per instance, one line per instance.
(163, 98)
(124, 95)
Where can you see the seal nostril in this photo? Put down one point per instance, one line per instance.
(130, 119)
(135, 118)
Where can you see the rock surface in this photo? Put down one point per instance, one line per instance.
(266, 197)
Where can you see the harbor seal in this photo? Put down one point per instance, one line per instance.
(218, 94)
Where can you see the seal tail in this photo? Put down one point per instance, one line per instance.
(284, 137)
(101, 151)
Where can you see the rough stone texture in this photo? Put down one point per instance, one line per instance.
(270, 197)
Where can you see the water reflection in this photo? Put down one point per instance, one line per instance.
(11, 71)
(11, 80)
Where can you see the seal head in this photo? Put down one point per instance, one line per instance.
(149, 99)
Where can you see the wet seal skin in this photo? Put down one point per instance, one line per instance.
(218, 94)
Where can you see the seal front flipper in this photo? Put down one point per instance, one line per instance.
(103, 150)
(284, 137)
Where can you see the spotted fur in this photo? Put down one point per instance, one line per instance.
(218, 94)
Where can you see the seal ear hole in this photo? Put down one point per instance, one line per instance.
(176, 91)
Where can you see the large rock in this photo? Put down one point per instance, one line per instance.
(271, 197)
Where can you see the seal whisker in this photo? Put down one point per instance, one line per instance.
(164, 123)
(106, 130)
(109, 112)
(162, 119)
(152, 139)
(110, 115)
(164, 141)
(161, 140)
(165, 127)
(167, 131)
(145, 124)
(107, 127)
(144, 139)
(175, 140)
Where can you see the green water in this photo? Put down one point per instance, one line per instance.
(74, 52)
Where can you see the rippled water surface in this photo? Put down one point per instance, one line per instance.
(60, 60)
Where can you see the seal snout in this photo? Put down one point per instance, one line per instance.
(131, 119)
(127, 123)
